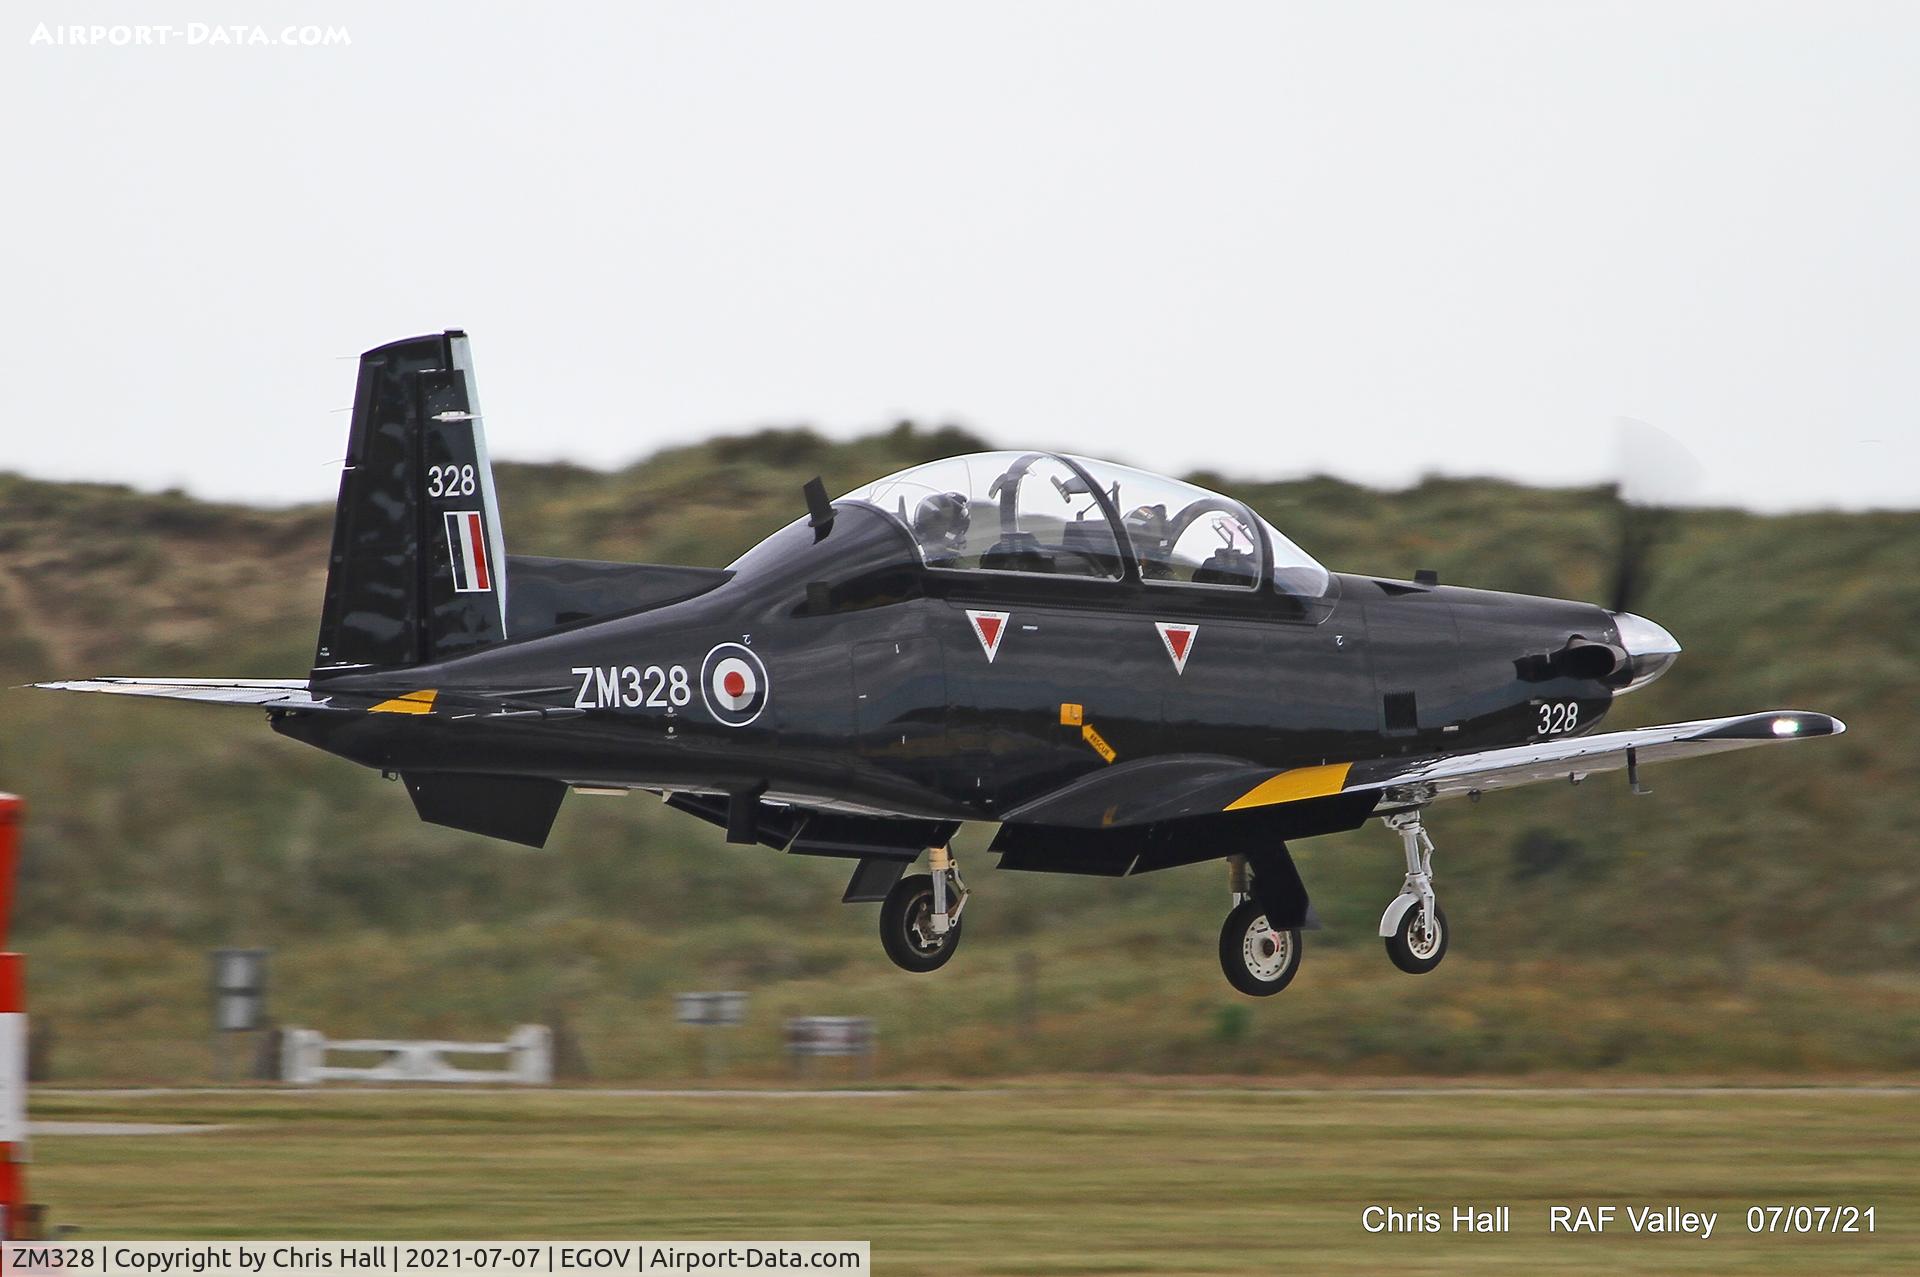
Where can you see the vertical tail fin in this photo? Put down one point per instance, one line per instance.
(418, 567)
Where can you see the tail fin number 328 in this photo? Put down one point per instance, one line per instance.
(450, 481)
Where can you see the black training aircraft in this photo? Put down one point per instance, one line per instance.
(1123, 671)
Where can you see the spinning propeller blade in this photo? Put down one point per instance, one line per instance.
(1656, 474)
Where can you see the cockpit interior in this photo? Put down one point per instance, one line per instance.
(1058, 515)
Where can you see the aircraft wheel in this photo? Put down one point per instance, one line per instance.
(906, 926)
(1416, 949)
(1258, 960)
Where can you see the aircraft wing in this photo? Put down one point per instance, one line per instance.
(1574, 758)
(1178, 810)
(1175, 787)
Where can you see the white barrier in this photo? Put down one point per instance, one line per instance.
(710, 1010)
(812, 1036)
(830, 1035)
(529, 1052)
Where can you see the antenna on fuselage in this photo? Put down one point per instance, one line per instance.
(819, 509)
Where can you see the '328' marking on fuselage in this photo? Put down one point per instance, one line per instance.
(1557, 717)
(632, 687)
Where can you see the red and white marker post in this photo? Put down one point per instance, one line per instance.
(18, 1221)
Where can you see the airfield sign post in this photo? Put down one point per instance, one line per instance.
(711, 1011)
(810, 1037)
(239, 987)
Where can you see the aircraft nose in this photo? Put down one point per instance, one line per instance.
(1650, 649)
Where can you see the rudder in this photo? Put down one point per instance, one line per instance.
(418, 565)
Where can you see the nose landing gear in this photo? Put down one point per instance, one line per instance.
(1414, 926)
(1419, 942)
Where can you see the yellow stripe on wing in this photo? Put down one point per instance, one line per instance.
(411, 703)
(1291, 786)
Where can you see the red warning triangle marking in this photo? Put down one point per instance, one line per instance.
(1178, 639)
(989, 628)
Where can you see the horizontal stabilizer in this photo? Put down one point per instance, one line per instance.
(451, 704)
(287, 693)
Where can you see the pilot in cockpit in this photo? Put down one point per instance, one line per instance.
(940, 524)
(1147, 525)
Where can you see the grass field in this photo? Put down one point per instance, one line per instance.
(1062, 1177)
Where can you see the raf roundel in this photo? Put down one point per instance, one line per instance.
(733, 683)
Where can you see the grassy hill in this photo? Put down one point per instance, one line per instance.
(1756, 914)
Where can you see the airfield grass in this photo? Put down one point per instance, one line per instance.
(1144, 996)
(1057, 1177)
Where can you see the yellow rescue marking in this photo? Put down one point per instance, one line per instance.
(1100, 746)
(412, 703)
(1291, 786)
(1069, 714)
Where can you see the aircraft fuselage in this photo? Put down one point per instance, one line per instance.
(867, 681)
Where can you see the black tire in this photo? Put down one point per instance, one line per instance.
(1417, 955)
(906, 931)
(1259, 961)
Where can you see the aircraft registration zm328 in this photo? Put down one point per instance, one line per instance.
(1124, 672)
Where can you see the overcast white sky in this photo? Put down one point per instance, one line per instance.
(1372, 238)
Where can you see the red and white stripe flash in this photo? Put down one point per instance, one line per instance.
(467, 549)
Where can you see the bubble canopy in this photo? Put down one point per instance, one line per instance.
(1058, 515)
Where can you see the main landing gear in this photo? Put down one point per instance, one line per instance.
(1414, 925)
(920, 918)
(1259, 959)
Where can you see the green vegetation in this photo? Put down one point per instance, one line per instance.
(1756, 916)
(1061, 1178)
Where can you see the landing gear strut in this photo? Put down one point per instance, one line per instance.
(920, 919)
(1414, 926)
(1259, 960)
